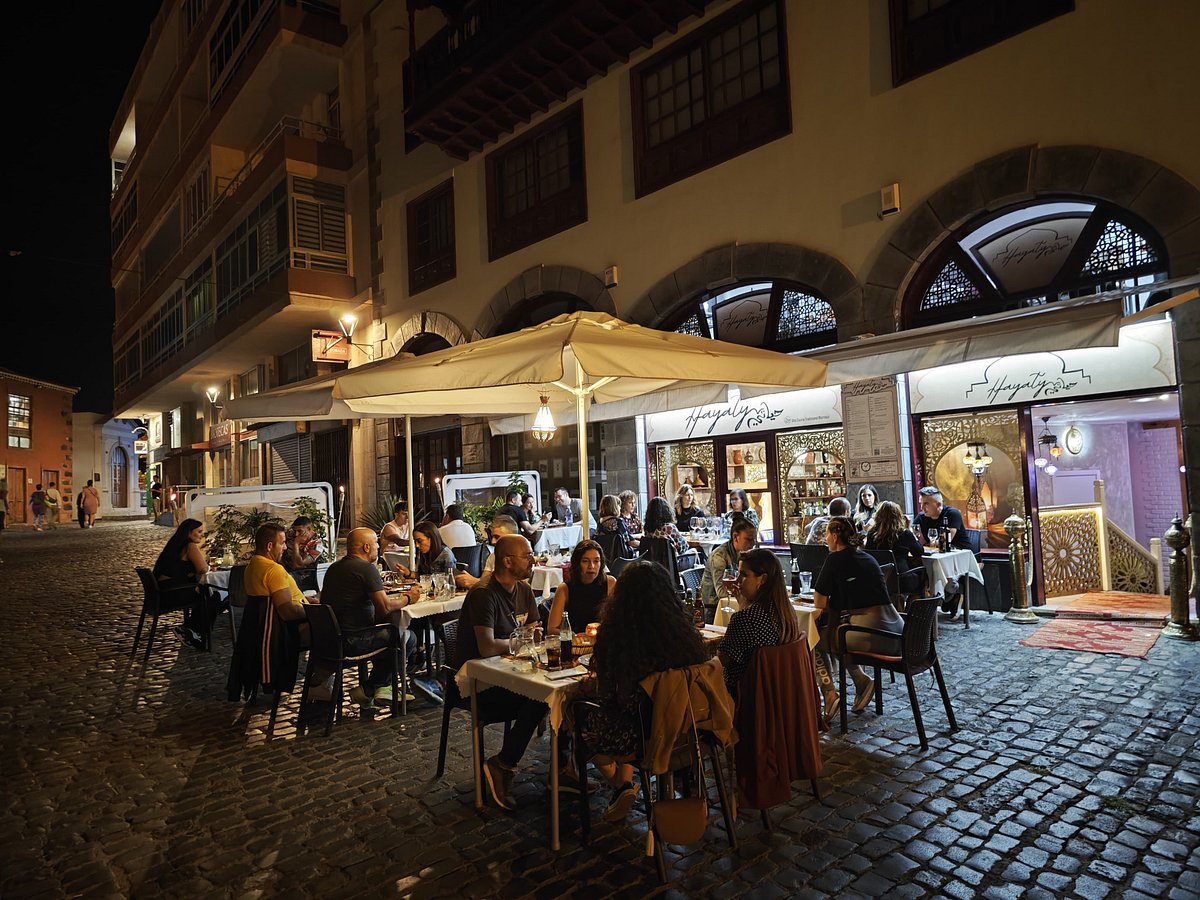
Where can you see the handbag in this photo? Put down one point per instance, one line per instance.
(682, 820)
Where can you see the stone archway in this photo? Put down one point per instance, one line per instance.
(738, 263)
(1163, 199)
(540, 280)
(427, 322)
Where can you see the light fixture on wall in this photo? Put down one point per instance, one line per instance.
(976, 458)
(348, 323)
(543, 423)
(213, 394)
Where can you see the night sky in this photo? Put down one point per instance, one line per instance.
(66, 68)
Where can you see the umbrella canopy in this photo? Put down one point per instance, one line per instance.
(574, 360)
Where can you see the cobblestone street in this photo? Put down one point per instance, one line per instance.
(1072, 775)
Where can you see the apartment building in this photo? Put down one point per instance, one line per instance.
(785, 173)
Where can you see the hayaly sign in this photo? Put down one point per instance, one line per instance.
(770, 412)
(1144, 358)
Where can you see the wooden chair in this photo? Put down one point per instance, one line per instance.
(918, 653)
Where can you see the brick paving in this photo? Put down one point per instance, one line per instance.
(1072, 775)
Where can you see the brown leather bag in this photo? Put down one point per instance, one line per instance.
(682, 820)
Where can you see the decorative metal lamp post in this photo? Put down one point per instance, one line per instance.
(1179, 626)
(1017, 528)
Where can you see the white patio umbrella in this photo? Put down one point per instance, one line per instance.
(590, 362)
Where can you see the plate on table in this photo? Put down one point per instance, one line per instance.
(585, 661)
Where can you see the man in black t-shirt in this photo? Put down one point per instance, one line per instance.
(484, 625)
(513, 508)
(934, 514)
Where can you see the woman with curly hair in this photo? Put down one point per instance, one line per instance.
(644, 630)
(629, 513)
(660, 522)
(765, 617)
(432, 553)
(686, 508)
(586, 589)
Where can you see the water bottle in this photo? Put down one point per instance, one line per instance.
(568, 519)
(795, 578)
(566, 641)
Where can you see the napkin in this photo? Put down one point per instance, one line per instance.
(560, 674)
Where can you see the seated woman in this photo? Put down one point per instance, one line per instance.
(686, 508)
(765, 617)
(643, 631)
(178, 568)
(889, 531)
(585, 591)
(740, 503)
(629, 513)
(851, 584)
(611, 530)
(660, 522)
(432, 553)
(865, 509)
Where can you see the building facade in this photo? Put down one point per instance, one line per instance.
(36, 444)
(109, 452)
(776, 172)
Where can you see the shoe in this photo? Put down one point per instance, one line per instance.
(833, 704)
(427, 689)
(383, 694)
(193, 639)
(498, 778)
(360, 697)
(568, 781)
(621, 803)
(322, 692)
(863, 695)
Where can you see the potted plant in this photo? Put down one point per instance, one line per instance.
(225, 535)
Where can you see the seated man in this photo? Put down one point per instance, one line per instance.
(304, 549)
(484, 625)
(354, 591)
(938, 517)
(265, 577)
(742, 535)
(394, 535)
(514, 508)
(455, 531)
(501, 525)
(838, 506)
(566, 509)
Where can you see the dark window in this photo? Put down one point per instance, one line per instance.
(929, 34)
(125, 219)
(778, 315)
(539, 309)
(711, 96)
(431, 238)
(536, 185)
(295, 365)
(20, 421)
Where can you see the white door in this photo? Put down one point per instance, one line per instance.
(1073, 486)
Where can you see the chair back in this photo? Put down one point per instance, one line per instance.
(661, 551)
(975, 539)
(149, 587)
(472, 557)
(809, 557)
(450, 642)
(688, 559)
(691, 578)
(237, 586)
(890, 576)
(617, 563)
(613, 543)
(920, 625)
(325, 636)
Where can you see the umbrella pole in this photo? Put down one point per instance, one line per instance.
(581, 441)
(412, 509)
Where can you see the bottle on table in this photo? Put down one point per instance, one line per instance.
(697, 610)
(566, 640)
(795, 577)
(943, 541)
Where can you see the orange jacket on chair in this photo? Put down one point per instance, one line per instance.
(669, 692)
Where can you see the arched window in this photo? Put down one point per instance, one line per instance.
(539, 309)
(779, 315)
(1032, 255)
(425, 342)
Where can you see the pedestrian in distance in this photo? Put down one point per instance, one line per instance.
(53, 505)
(37, 505)
(89, 504)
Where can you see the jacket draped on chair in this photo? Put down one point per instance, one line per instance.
(669, 692)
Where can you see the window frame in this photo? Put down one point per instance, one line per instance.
(549, 215)
(20, 437)
(722, 136)
(428, 270)
(771, 339)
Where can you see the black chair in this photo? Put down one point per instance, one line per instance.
(691, 578)
(661, 551)
(448, 633)
(887, 562)
(616, 564)
(975, 537)
(237, 597)
(327, 649)
(472, 557)
(613, 544)
(918, 652)
(156, 602)
(809, 557)
(689, 559)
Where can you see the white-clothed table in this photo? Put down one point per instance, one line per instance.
(219, 578)
(566, 536)
(943, 567)
(545, 580)
(477, 675)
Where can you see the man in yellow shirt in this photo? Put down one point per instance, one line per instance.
(265, 577)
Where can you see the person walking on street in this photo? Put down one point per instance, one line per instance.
(37, 505)
(53, 505)
(3, 507)
(89, 505)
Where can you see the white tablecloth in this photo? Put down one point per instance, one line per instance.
(546, 580)
(566, 536)
(219, 578)
(496, 671)
(426, 608)
(941, 567)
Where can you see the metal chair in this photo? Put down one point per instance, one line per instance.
(448, 632)
(975, 537)
(615, 565)
(918, 652)
(156, 602)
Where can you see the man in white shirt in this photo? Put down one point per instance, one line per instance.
(53, 505)
(566, 508)
(454, 530)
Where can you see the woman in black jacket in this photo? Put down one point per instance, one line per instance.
(889, 531)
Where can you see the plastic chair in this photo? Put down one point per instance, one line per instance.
(455, 700)
(328, 648)
(156, 601)
(809, 557)
(472, 557)
(918, 652)
(975, 537)
(616, 564)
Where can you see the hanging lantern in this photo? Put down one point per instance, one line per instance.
(1047, 446)
(543, 423)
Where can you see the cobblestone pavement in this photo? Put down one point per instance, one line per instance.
(1072, 775)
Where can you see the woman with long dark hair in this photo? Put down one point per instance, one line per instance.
(765, 616)
(851, 587)
(643, 630)
(432, 553)
(178, 568)
(660, 522)
(740, 503)
(586, 589)
(890, 531)
(866, 507)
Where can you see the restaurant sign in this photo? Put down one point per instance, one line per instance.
(220, 434)
(791, 409)
(1143, 359)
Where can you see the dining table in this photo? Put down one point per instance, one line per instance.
(546, 579)
(563, 536)
(950, 566)
(555, 689)
(218, 576)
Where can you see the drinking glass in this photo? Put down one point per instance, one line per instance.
(932, 535)
(696, 523)
(805, 582)
(730, 581)
(519, 650)
(439, 583)
(554, 548)
(537, 644)
(426, 584)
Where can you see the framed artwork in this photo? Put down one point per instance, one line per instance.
(573, 467)
(558, 467)
(543, 468)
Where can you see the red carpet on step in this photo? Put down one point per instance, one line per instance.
(1094, 637)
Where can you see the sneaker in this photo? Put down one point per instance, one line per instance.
(321, 693)
(498, 777)
(863, 695)
(621, 803)
(192, 638)
(383, 694)
(833, 704)
(427, 689)
(361, 697)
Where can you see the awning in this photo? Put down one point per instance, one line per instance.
(1063, 325)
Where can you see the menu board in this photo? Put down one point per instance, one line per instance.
(871, 420)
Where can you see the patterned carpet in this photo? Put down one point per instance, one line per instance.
(1094, 637)
(1114, 606)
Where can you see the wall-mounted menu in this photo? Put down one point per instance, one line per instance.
(871, 420)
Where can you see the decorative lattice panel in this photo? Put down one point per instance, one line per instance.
(952, 286)
(792, 445)
(1071, 551)
(1119, 248)
(1130, 566)
(692, 326)
(804, 314)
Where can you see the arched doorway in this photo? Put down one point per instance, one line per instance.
(120, 478)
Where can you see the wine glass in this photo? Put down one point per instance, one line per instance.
(554, 548)
(537, 644)
(696, 523)
(426, 584)
(932, 537)
(729, 579)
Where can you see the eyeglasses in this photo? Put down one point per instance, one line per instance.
(520, 556)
